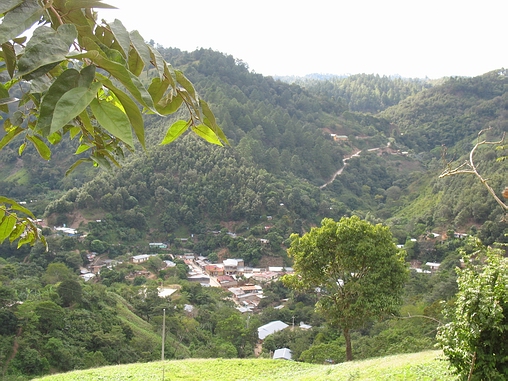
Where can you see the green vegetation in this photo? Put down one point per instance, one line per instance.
(356, 266)
(389, 138)
(424, 366)
(78, 79)
(474, 339)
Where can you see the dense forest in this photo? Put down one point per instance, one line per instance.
(385, 139)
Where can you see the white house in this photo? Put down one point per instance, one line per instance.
(282, 353)
(270, 328)
(140, 258)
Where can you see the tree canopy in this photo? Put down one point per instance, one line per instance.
(91, 82)
(357, 269)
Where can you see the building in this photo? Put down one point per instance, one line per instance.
(272, 327)
(339, 138)
(226, 281)
(140, 258)
(157, 245)
(433, 266)
(282, 354)
(233, 266)
(264, 277)
(215, 270)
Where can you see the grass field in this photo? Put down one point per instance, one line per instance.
(423, 366)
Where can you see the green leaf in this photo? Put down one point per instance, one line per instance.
(9, 136)
(113, 120)
(71, 104)
(141, 47)
(79, 4)
(82, 148)
(2, 212)
(66, 81)
(19, 19)
(121, 35)
(158, 61)
(7, 5)
(17, 231)
(15, 206)
(169, 104)
(45, 48)
(10, 57)
(157, 89)
(176, 129)
(206, 133)
(28, 238)
(55, 137)
(129, 80)
(5, 99)
(131, 109)
(78, 162)
(86, 76)
(40, 146)
(186, 84)
(21, 148)
(135, 62)
(210, 121)
(6, 226)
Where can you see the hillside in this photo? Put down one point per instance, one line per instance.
(299, 152)
(424, 366)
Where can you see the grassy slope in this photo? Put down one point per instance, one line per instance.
(421, 366)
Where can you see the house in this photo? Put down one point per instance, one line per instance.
(434, 266)
(278, 269)
(170, 263)
(264, 277)
(214, 270)
(305, 326)
(282, 353)
(140, 258)
(226, 281)
(233, 266)
(87, 276)
(272, 327)
(67, 231)
(157, 245)
(203, 279)
(460, 235)
(339, 138)
(165, 292)
(251, 293)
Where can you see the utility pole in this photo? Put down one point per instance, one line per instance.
(163, 332)
(163, 339)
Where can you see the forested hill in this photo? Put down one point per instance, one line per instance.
(288, 140)
(456, 110)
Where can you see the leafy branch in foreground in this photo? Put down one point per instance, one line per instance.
(474, 339)
(79, 79)
(469, 167)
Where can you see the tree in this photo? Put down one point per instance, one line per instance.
(475, 338)
(70, 292)
(75, 78)
(356, 268)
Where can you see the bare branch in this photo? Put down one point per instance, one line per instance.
(470, 168)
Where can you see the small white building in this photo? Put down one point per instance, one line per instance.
(140, 258)
(434, 266)
(282, 353)
(270, 328)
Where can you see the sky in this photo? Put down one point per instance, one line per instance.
(410, 38)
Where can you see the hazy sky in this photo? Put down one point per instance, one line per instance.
(411, 38)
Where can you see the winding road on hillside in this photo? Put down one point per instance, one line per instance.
(344, 162)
